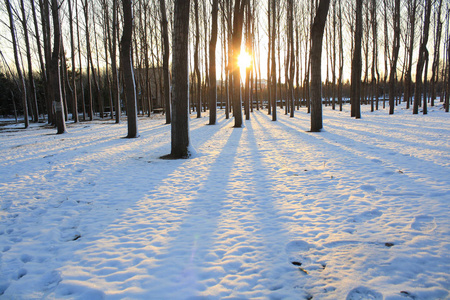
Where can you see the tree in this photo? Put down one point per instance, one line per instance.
(55, 78)
(316, 65)
(16, 58)
(128, 72)
(115, 73)
(273, 73)
(423, 53)
(395, 50)
(435, 67)
(212, 66)
(236, 49)
(74, 85)
(412, 6)
(31, 84)
(197, 63)
(180, 71)
(166, 54)
(355, 96)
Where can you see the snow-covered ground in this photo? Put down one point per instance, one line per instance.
(269, 211)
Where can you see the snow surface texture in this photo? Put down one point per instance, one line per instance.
(269, 211)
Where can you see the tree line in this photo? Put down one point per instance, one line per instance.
(72, 59)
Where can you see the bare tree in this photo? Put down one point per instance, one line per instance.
(72, 47)
(196, 62)
(212, 66)
(435, 67)
(16, 58)
(180, 71)
(166, 54)
(316, 65)
(127, 66)
(423, 53)
(236, 49)
(55, 78)
(31, 84)
(355, 96)
(395, 50)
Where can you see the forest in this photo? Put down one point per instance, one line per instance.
(317, 136)
(79, 60)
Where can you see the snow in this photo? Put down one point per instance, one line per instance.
(268, 211)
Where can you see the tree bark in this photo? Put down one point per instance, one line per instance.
(166, 54)
(31, 84)
(16, 58)
(55, 78)
(395, 50)
(180, 71)
(355, 96)
(316, 65)
(236, 48)
(422, 57)
(212, 66)
(74, 84)
(128, 72)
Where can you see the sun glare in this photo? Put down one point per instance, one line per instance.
(244, 60)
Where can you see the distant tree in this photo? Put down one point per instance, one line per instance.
(355, 96)
(236, 49)
(412, 7)
(31, 84)
(435, 67)
(423, 53)
(180, 90)
(55, 77)
(212, 65)
(316, 65)
(16, 58)
(198, 82)
(128, 72)
(273, 67)
(166, 55)
(115, 73)
(72, 47)
(395, 50)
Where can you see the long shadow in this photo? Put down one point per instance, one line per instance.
(378, 154)
(168, 226)
(387, 164)
(190, 249)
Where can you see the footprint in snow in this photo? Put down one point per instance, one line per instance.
(299, 256)
(423, 223)
(364, 293)
(366, 216)
(368, 188)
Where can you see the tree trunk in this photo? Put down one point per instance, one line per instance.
(74, 84)
(166, 54)
(422, 57)
(197, 63)
(16, 58)
(32, 86)
(236, 48)
(88, 59)
(273, 72)
(408, 81)
(55, 78)
(316, 65)
(180, 71)
(115, 73)
(355, 97)
(395, 50)
(212, 66)
(127, 67)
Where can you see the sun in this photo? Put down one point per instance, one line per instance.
(244, 60)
